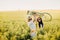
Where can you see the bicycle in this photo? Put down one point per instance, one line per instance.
(44, 15)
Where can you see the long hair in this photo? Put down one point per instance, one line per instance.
(39, 18)
(29, 19)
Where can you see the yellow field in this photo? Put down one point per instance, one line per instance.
(14, 27)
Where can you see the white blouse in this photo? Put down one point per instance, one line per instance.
(32, 25)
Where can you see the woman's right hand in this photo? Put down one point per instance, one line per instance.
(33, 31)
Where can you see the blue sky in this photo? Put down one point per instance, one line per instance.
(29, 4)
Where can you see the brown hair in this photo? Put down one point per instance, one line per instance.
(29, 19)
(39, 18)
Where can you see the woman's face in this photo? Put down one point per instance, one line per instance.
(35, 15)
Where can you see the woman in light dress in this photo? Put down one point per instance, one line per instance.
(32, 27)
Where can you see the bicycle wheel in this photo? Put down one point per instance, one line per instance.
(46, 17)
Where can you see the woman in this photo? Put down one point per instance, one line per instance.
(32, 27)
(40, 23)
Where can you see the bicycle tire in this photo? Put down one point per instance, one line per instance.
(48, 14)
